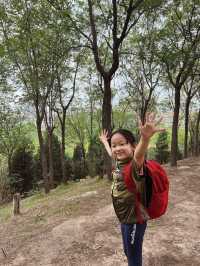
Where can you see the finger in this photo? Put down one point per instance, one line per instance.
(159, 120)
(150, 117)
(104, 132)
(153, 116)
(138, 121)
(160, 129)
(147, 118)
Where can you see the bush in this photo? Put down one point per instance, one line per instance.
(79, 163)
(56, 159)
(162, 148)
(151, 154)
(22, 178)
(95, 158)
(68, 168)
(180, 154)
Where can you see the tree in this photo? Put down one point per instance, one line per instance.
(56, 162)
(23, 168)
(194, 128)
(49, 123)
(11, 133)
(63, 105)
(76, 121)
(179, 39)
(190, 88)
(162, 149)
(196, 140)
(79, 167)
(141, 69)
(109, 26)
(112, 20)
(35, 46)
(94, 157)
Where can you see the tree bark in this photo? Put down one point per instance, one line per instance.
(174, 142)
(187, 106)
(51, 169)
(106, 122)
(43, 158)
(62, 150)
(9, 164)
(196, 140)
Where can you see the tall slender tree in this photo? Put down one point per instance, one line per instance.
(190, 88)
(179, 39)
(33, 43)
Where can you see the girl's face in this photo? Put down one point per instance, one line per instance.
(121, 149)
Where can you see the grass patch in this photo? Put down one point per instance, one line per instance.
(5, 212)
(46, 203)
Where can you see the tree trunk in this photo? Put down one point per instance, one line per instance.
(50, 151)
(187, 106)
(84, 157)
(106, 122)
(174, 141)
(62, 153)
(16, 204)
(196, 140)
(43, 158)
(62, 150)
(9, 164)
(143, 112)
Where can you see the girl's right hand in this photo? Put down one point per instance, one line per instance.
(104, 136)
(104, 139)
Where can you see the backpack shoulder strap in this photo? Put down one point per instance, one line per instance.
(128, 179)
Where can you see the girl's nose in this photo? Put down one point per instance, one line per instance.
(118, 148)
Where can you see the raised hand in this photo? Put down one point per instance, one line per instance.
(104, 136)
(104, 139)
(149, 128)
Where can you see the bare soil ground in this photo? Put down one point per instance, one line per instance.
(90, 236)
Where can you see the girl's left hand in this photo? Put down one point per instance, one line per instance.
(149, 128)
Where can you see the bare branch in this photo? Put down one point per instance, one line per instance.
(94, 40)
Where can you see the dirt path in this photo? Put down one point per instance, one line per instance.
(92, 236)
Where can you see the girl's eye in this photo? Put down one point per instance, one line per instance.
(120, 144)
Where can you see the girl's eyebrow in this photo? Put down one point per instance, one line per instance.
(120, 142)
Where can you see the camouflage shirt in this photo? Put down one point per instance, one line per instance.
(124, 200)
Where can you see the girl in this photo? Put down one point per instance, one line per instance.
(121, 146)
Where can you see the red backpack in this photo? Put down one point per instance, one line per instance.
(157, 186)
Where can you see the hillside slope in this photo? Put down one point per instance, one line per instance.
(81, 229)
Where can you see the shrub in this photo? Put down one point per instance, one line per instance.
(22, 176)
(95, 158)
(56, 159)
(79, 163)
(162, 149)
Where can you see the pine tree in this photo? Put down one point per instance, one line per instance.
(162, 148)
(22, 178)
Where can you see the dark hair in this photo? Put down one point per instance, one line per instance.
(128, 135)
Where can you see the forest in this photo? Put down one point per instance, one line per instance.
(69, 69)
